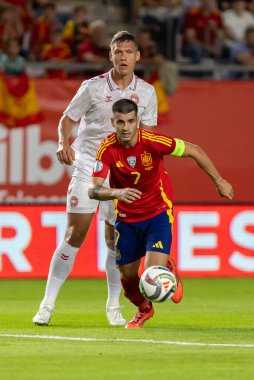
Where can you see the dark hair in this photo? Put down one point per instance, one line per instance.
(125, 106)
(49, 5)
(248, 30)
(122, 36)
(79, 8)
(8, 42)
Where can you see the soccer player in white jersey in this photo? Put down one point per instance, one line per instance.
(91, 107)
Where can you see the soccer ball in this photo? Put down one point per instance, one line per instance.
(157, 284)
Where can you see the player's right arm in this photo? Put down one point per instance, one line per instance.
(97, 191)
(78, 107)
(65, 153)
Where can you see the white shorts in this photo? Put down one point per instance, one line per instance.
(78, 201)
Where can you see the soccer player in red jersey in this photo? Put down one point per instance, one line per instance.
(143, 210)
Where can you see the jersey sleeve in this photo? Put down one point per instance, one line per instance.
(179, 148)
(149, 116)
(80, 103)
(164, 145)
(170, 146)
(102, 163)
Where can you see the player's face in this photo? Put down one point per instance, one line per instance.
(124, 55)
(126, 126)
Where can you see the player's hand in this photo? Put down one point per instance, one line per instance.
(65, 154)
(128, 195)
(224, 188)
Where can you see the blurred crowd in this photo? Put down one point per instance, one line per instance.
(33, 31)
(196, 31)
(168, 31)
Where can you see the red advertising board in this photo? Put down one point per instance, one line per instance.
(209, 241)
(218, 116)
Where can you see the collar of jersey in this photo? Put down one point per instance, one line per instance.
(113, 86)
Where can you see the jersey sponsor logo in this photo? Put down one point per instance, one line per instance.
(134, 98)
(122, 215)
(98, 166)
(146, 159)
(74, 201)
(158, 245)
(108, 99)
(132, 161)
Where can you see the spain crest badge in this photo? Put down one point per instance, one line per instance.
(146, 159)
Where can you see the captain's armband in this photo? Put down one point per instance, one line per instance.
(95, 192)
(179, 148)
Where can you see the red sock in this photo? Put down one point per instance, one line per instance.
(132, 292)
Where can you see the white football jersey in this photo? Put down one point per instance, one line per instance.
(237, 23)
(92, 105)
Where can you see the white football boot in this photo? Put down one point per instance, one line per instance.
(114, 316)
(43, 316)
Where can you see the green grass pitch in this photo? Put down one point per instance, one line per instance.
(218, 313)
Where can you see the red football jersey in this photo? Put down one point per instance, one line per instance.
(195, 18)
(137, 167)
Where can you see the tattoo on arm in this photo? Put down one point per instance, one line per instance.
(96, 190)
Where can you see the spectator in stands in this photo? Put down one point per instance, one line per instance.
(164, 19)
(24, 10)
(223, 5)
(42, 30)
(188, 4)
(11, 62)
(236, 21)
(95, 49)
(26, 13)
(243, 52)
(76, 30)
(56, 51)
(250, 6)
(167, 71)
(38, 6)
(202, 32)
(10, 25)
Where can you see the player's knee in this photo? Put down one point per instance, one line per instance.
(127, 273)
(74, 236)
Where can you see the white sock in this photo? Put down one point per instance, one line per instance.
(60, 267)
(113, 280)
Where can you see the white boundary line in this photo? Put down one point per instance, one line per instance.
(151, 341)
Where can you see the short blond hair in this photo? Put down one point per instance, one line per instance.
(122, 36)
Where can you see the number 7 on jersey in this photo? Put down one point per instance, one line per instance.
(137, 174)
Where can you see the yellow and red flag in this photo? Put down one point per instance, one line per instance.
(163, 99)
(19, 106)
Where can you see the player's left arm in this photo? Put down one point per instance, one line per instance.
(205, 163)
